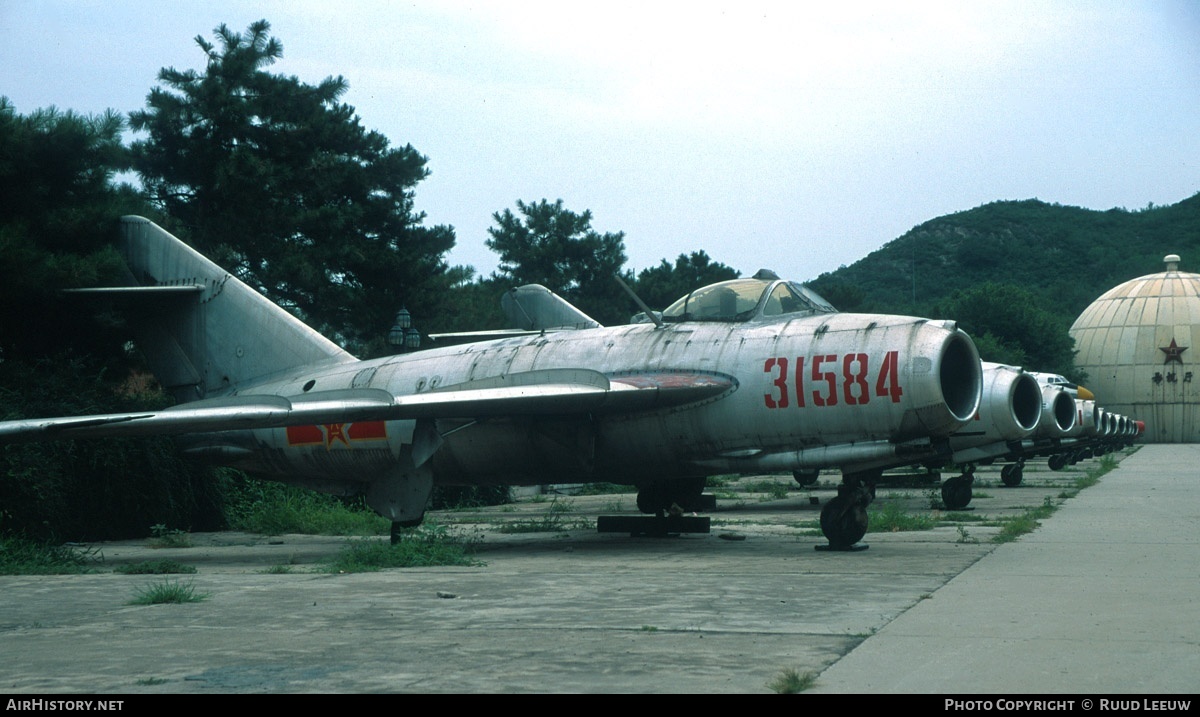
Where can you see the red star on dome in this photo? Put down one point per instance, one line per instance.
(1174, 352)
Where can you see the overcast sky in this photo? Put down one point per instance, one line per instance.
(796, 136)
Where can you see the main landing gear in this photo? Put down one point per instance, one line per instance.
(844, 518)
(956, 492)
(1012, 473)
(664, 505)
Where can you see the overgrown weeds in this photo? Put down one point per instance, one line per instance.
(19, 556)
(163, 537)
(790, 682)
(167, 591)
(1026, 522)
(891, 518)
(425, 546)
(554, 520)
(274, 509)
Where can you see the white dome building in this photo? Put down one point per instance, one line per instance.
(1140, 346)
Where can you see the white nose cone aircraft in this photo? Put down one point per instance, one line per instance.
(745, 376)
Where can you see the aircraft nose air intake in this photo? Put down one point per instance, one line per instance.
(960, 376)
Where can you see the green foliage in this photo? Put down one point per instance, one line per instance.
(425, 546)
(791, 682)
(773, 489)
(21, 556)
(274, 508)
(557, 248)
(452, 497)
(155, 567)
(278, 181)
(99, 489)
(661, 285)
(58, 211)
(1010, 328)
(891, 518)
(1026, 522)
(167, 591)
(163, 537)
(60, 355)
(605, 489)
(554, 520)
(1065, 257)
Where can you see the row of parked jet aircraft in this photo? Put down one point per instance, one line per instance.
(754, 375)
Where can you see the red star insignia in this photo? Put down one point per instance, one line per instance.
(1174, 352)
(335, 432)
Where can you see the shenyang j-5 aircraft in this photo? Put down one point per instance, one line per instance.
(745, 376)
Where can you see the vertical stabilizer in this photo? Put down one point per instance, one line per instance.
(203, 331)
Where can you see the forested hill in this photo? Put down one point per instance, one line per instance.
(1064, 256)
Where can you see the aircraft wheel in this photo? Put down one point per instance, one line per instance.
(843, 521)
(657, 497)
(956, 492)
(1057, 462)
(806, 477)
(652, 499)
(1012, 474)
(398, 527)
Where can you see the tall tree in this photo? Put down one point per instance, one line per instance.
(57, 217)
(63, 356)
(278, 181)
(1009, 327)
(557, 248)
(659, 286)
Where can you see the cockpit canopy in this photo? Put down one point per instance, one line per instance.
(764, 296)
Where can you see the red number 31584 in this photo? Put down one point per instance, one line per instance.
(832, 378)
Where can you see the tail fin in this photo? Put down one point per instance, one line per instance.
(533, 307)
(203, 331)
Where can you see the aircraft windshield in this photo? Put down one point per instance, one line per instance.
(744, 299)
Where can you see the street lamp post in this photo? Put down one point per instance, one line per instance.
(402, 336)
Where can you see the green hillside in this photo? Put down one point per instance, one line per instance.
(1016, 274)
(1065, 256)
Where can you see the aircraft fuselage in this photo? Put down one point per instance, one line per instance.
(821, 390)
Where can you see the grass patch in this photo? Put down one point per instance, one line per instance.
(163, 537)
(605, 489)
(19, 556)
(791, 682)
(425, 546)
(167, 591)
(274, 509)
(1027, 522)
(891, 518)
(277, 570)
(148, 681)
(964, 536)
(155, 567)
(554, 520)
(774, 490)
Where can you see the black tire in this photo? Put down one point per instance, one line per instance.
(956, 493)
(843, 521)
(685, 493)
